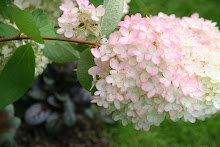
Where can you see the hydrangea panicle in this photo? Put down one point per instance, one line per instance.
(49, 6)
(7, 49)
(80, 19)
(159, 66)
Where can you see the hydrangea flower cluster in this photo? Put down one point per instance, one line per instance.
(50, 6)
(126, 6)
(7, 49)
(80, 19)
(159, 66)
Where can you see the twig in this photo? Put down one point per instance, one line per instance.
(82, 24)
(57, 26)
(49, 38)
(19, 35)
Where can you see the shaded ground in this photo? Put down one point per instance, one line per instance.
(85, 133)
(60, 79)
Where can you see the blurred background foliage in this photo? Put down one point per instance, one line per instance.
(209, 9)
(168, 134)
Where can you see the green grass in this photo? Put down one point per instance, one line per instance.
(168, 134)
(181, 134)
(209, 9)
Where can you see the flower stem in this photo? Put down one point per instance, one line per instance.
(2, 39)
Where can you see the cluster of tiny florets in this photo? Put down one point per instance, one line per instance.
(126, 6)
(159, 66)
(7, 49)
(80, 19)
(49, 6)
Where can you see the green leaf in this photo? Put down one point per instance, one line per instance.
(92, 38)
(69, 116)
(86, 61)
(7, 30)
(45, 25)
(25, 22)
(7, 140)
(142, 7)
(9, 110)
(61, 52)
(113, 15)
(4, 8)
(17, 75)
(79, 47)
(13, 122)
(96, 3)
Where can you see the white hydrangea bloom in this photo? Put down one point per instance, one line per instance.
(126, 6)
(159, 66)
(7, 49)
(80, 19)
(49, 6)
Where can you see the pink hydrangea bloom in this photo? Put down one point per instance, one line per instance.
(159, 66)
(79, 19)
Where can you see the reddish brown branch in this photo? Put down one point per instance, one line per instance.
(117, 28)
(50, 38)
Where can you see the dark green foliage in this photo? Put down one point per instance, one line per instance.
(55, 99)
(7, 30)
(25, 22)
(142, 7)
(60, 52)
(7, 140)
(86, 61)
(4, 8)
(96, 3)
(17, 75)
(69, 113)
(45, 25)
(79, 47)
(8, 126)
(209, 9)
(113, 15)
